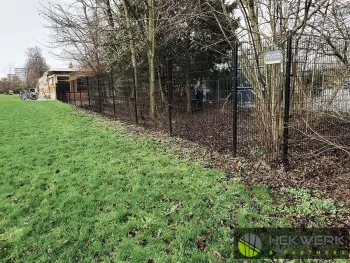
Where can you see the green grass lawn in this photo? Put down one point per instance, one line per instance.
(73, 189)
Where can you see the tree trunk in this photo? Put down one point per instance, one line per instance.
(151, 59)
(161, 88)
(132, 48)
(271, 108)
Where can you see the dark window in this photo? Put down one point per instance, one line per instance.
(62, 78)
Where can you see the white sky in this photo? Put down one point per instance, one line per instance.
(21, 27)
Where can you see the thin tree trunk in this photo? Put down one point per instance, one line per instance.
(151, 59)
(132, 47)
(161, 88)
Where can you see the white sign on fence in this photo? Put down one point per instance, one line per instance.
(273, 57)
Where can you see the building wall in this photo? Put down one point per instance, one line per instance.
(52, 81)
(21, 73)
(44, 88)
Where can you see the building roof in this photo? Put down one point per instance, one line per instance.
(63, 70)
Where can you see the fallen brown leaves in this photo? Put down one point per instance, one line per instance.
(217, 255)
(201, 243)
(328, 175)
(32, 249)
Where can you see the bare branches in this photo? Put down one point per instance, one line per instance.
(36, 65)
(76, 28)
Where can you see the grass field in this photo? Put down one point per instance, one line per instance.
(73, 189)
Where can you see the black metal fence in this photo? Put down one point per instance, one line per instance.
(292, 110)
(320, 113)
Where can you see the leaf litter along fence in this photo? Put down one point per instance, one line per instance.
(293, 111)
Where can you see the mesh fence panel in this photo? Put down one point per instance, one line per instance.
(195, 102)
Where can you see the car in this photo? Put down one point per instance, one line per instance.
(11, 92)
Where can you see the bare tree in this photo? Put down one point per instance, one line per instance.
(76, 30)
(10, 83)
(335, 28)
(35, 65)
(120, 35)
(265, 27)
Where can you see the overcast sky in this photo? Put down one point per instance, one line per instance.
(21, 27)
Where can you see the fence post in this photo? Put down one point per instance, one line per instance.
(287, 100)
(81, 100)
(111, 83)
(234, 97)
(88, 89)
(75, 103)
(99, 93)
(170, 94)
(135, 96)
(218, 95)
